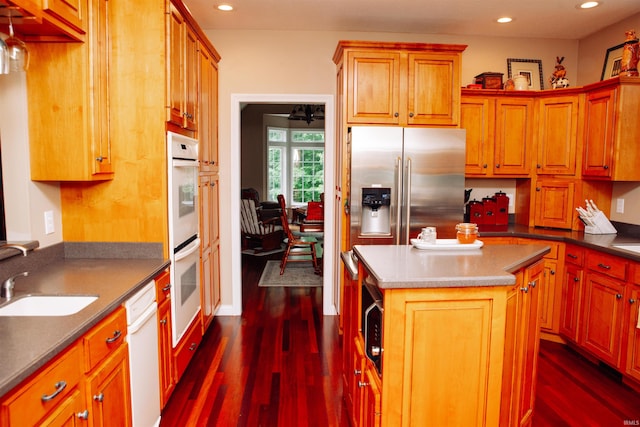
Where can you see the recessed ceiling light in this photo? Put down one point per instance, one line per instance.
(504, 20)
(225, 7)
(589, 4)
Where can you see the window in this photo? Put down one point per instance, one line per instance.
(295, 164)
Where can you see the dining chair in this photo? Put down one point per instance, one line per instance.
(298, 248)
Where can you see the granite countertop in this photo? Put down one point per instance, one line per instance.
(28, 343)
(403, 266)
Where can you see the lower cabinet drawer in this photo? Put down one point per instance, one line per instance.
(609, 265)
(187, 347)
(44, 392)
(104, 338)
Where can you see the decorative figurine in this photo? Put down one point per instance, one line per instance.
(630, 55)
(558, 78)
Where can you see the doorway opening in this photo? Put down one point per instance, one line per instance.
(277, 106)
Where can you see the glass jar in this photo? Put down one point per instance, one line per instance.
(466, 232)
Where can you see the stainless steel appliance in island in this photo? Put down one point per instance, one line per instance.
(403, 179)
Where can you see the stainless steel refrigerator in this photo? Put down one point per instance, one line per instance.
(403, 179)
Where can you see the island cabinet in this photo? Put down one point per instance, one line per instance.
(500, 133)
(611, 130)
(572, 288)
(87, 384)
(450, 355)
(401, 84)
(69, 134)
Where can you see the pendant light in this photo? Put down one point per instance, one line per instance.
(18, 52)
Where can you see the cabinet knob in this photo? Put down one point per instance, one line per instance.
(498, 166)
(362, 384)
(485, 166)
(575, 279)
(396, 114)
(375, 350)
(98, 397)
(84, 415)
(411, 114)
(605, 167)
(552, 272)
(631, 301)
(99, 159)
(163, 321)
(538, 189)
(193, 346)
(618, 296)
(357, 372)
(538, 166)
(533, 284)
(525, 289)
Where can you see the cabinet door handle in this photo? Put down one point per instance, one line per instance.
(166, 288)
(525, 289)
(605, 266)
(98, 397)
(362, 384)
(60, 385)
(533, 284)
(99, 159)
(84, 415)
(572, 256)
(356, 372)
(163, 321)
(193, 346)
(116, 336)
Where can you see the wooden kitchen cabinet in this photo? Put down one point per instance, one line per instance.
(555, 202)
(106, 367)
(52, 396)
(165, 350)
(401, 83)
(186, 348)
(69, 134)
(611, 131)
(49, 21)
(602, 315)
(108, 392)
(209, 247)
(633, 322)
(572, 284)
(183, 65)
(208, 109)
(499, 133)
(558, 126)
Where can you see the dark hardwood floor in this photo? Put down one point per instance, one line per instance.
(279, 365)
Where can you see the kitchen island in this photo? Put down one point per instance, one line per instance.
(459, 339)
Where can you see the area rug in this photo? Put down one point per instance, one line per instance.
(296, 274)
(260, 252)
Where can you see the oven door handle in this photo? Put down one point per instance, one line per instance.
(188, 250)
(179, 163)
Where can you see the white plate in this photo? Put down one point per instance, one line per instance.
(446, 245)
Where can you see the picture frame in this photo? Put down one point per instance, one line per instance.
(531, 68)
(612, 62)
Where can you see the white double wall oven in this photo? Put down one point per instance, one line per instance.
(183, 232)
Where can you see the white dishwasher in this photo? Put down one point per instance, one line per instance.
(142, 336)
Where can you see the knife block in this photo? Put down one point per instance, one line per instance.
(602, 225)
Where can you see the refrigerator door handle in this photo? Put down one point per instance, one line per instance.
(408, 198)
(398, 199)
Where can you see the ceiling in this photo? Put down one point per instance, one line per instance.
(555, 19)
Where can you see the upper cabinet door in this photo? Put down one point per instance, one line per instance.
(557, 135)
(373, 87)
(477, 118)
(599, 133)
(433, 89)
(514, 136)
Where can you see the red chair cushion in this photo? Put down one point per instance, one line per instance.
(315, 211)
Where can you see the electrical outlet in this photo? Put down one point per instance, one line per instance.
(49, 228)
(619, 205)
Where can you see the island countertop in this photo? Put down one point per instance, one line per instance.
(403, 266)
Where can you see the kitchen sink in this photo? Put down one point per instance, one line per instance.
(632, 248)
(46, 305)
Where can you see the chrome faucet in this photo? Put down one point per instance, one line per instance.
(7, 286)
(17, 246)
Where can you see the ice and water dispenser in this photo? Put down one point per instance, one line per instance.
(376, 203)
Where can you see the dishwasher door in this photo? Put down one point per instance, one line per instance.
(143, 362)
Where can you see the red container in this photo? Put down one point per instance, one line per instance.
(502, 208)
(490, 208)
(475, 212)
